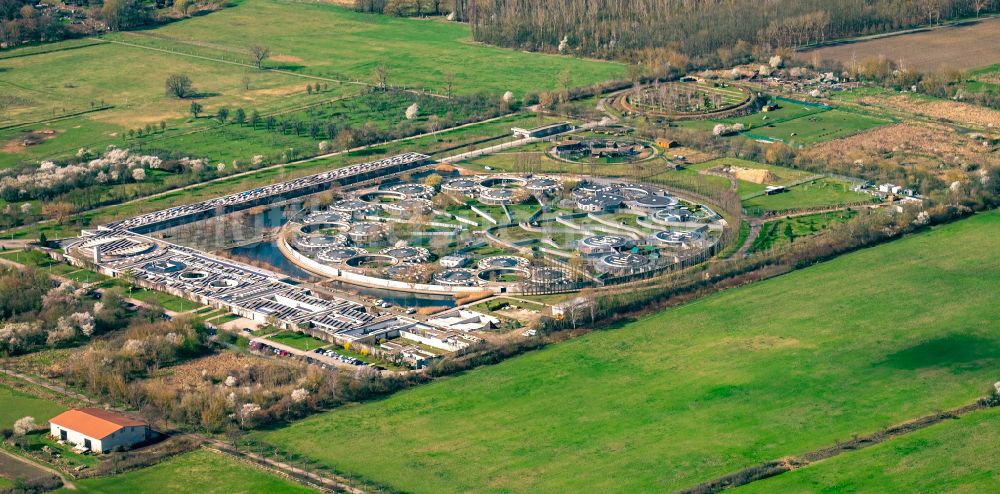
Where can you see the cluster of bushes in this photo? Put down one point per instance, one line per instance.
(26, 21)
(36, 313)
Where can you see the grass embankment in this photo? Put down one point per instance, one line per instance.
(953, 456)
(778, 368)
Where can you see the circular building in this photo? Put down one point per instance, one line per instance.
(599, 202)
(631, 192)
(354, 208)
(407, 208)
(544, 185)
(622, 263)
(366, 260)
(504, 275)
(456, 277)
(338, 255)
(318, 242)
(466, 186)
(549, 276)
(679, 238)
(404, 272)
(503, 182)
(503, 262)
(586, 189)
(497, 197)
(672, 214)
(365, 231)
(602, 244)
(407, 254)
(651, 203)
(332, 217)
(413, 190)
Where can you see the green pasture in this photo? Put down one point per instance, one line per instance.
(325, 40)
(778, 368)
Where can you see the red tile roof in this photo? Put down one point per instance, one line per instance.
(94, 422)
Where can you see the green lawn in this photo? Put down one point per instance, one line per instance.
(953, 456)
(818, 193)
(17, 404)
(326, 40)
(781, 367)
(300, 341)
(165, 300)
(197, 472)
(40, 260)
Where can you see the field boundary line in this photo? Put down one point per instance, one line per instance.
(779, 466)
(310, 479)
(93, 42)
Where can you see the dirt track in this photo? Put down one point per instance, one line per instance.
(959, 47)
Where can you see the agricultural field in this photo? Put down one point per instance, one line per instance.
(781, 367)
(197, 472)
(952, 456)
(963, 46)
(818, 193)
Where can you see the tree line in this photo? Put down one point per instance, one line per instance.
(619, 28)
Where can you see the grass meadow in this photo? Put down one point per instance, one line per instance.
(814, 194)
(17, 404)
(326, 40)
(953, 456)
(197, 472)
(781, 367)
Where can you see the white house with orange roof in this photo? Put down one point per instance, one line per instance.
(97, 430)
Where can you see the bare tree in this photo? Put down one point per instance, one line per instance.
(381, 76)
(259, 53)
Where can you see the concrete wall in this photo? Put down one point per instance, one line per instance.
(369, 281)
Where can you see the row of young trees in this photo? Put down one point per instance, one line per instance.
(619, 28)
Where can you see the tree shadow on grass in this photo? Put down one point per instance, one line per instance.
(288, 67)
(958, 352)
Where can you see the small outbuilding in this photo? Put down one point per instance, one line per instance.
(97, 430)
